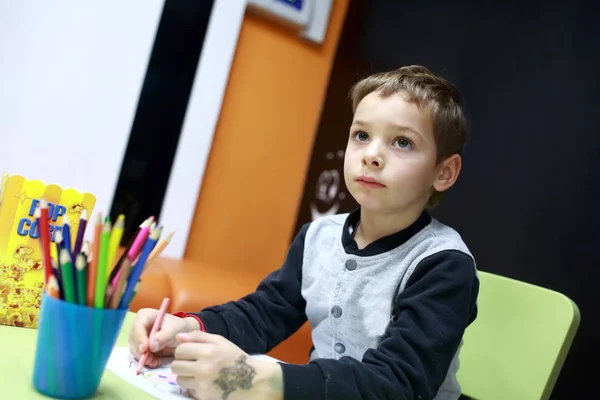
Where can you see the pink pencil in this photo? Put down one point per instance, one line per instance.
(157, 324)
(139, 241)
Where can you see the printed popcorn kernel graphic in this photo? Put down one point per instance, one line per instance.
(21, 267)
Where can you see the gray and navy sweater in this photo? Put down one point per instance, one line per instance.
(387, 320)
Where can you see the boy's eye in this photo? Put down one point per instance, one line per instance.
(403, 143)
(361, 136)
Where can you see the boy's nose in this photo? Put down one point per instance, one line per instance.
(372, 161)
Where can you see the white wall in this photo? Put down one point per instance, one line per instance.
(71, 72)
(70, 75)
(200, 122)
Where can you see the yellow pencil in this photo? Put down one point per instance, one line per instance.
(115, 241)
(159, 249)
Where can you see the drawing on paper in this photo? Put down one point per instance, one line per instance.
(159, 382)
(162, 378)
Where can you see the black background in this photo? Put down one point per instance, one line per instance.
(525, 200)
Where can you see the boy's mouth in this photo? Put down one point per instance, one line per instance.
(369, 182)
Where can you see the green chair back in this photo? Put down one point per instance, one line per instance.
(516, 347)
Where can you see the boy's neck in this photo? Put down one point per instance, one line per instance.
(376, 225)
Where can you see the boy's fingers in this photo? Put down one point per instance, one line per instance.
(162, 339)
(184, 368)
(152, 361)
(136, 347)
(141, 325)
(191, 351)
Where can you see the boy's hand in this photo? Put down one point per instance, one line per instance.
(163, 343)
(213, 368)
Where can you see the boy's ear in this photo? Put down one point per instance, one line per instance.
(448, 172)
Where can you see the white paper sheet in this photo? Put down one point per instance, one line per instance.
(158, 382)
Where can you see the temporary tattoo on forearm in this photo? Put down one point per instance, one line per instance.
(237, 377)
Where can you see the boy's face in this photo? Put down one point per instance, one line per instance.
(390, 162)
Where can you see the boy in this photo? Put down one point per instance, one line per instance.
(387, 289)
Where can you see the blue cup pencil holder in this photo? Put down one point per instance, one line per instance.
(73, 346)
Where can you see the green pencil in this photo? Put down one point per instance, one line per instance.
(102, 265)
(81, 271)
(66, 273)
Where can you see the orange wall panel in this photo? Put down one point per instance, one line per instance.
(247, 207)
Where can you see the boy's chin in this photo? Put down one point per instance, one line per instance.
(372, 205)
(376, 202)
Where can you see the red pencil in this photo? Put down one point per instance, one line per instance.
(157, 324)
(45, 239)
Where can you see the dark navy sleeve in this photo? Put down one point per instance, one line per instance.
(261, 320)
(413, 357)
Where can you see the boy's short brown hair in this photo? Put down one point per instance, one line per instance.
(429, 92)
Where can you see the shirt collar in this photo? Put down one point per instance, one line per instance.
(384, 244)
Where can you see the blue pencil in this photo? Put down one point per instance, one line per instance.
(139, 267)
(66, 234)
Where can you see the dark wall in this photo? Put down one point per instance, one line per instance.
(525, 200)
(160, 112)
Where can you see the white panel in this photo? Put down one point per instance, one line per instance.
(70, 75)
(297, 16)
(310, 17)
(317, 27)
(200, 121)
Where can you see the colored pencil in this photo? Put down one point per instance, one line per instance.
(56, 273)
(99, 297)
(164, 242)
(114, 275)
(80, 267)
(155, 328)
(58, 241)
(155, 254)
(141, 238)
(85, 252)
(115, 241)
(66, 273)
(136, 288)
(139, 268)
(80, 232)
(117, 267)
(55, 269)
(85, 249)
(66, 234)
(79, 270)
(120, 284)
(44, 228)
(93, 262)
(52, 287)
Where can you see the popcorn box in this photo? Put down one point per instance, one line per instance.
(21, 268)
